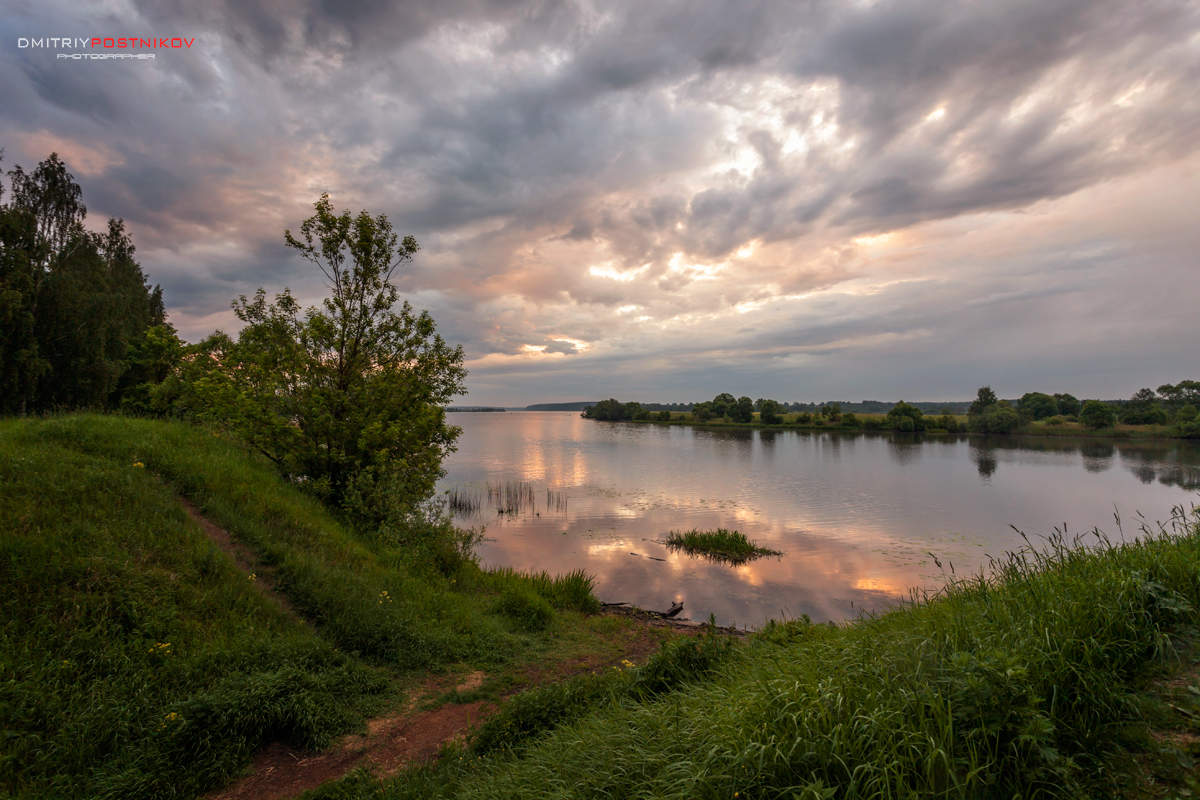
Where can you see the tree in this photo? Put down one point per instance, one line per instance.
(1068, 405)
(349, 398)
(998, 417)
(904, 411)
(723, 404)
(984, 400)
(1037, 405)
(1097, 415)
(769, 412)
(743, 410)
(75, 306)
(1143, 409)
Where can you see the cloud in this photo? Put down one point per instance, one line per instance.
(791, 196)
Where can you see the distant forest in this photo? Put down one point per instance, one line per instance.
(861, 407)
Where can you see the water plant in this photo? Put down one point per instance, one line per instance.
(720, 544)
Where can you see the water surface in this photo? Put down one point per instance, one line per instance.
(856, 516)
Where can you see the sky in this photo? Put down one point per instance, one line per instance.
(661, 201)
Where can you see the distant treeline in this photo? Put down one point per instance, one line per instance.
(1173, 408)
(475, 408)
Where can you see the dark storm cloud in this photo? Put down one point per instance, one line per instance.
(582, 176)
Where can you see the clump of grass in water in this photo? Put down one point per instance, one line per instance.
(721, 544)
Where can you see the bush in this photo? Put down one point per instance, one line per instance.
(996, 418)
(528, 610)
(1096, 415)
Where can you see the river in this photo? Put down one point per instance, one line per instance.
(858, 517)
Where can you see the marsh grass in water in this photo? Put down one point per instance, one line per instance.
(720, 545)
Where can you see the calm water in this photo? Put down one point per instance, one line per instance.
(855, 516)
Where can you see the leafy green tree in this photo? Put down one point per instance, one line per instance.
(904, 411)
(704, 411)
(1037, 405)
(1097, 415)
(723, 405)
(1068, 405)
(743, 410)
(348, 398)
(984, 400)
(1186, 413)
(1143, 409)
(998, 417)
(75, 307)
(610, 409)
(769, 412)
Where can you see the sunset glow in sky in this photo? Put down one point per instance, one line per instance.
(665, 200)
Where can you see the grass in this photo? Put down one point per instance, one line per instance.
(138, 660)
(1025, 682)
(720, 544)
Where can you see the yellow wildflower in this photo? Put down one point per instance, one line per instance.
(625, 662)
(139, 465)
(252, 576)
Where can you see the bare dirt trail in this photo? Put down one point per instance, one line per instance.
(243, 556)
(409, 735)
(390, 743)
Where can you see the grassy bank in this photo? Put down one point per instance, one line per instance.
(1023, 684)
(137, 659)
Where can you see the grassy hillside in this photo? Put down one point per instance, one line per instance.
(137, 659)
(1024, 685)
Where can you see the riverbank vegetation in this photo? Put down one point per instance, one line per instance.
(1030, 681)
(1169, 412)
(137, 659)
(720, 544)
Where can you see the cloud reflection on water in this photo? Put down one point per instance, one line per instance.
(855, 516)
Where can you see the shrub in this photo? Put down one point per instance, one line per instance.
(1096, 415)
(528, 610)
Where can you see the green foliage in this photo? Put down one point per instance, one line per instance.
(985, 398)
(537, 711)
(723, 405)
(905, 417)
(349, 398)
(1013, 685)
(989, 415)
(743, 410)
(1186, 413)
(1068, 405)
(720, 544)
(136, 660)
(1037, 405)
(948, 423)
(1097, 415)
(79, 326)
(526, 608)
(613, 410)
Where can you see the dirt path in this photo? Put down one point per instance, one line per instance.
(409, 735)
(390, 743)
(243, 556)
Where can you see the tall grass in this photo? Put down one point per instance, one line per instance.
(1010, 684)
(512, 497)
(137, 660)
